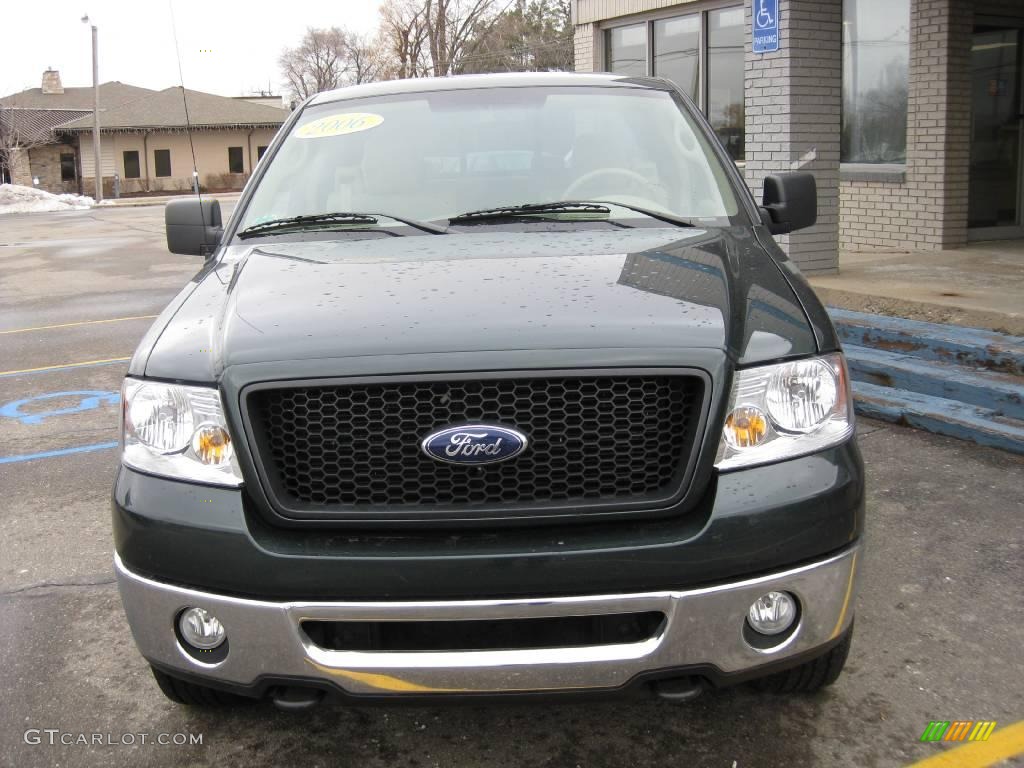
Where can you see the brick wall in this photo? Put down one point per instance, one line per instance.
(20, 170)
(792, 106)
(45, 163)
(586, 48)
(927, 210)
(878, 215)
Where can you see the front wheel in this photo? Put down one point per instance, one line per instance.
(194, 695)
(811, 676)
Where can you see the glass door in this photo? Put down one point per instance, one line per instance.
(996, 184)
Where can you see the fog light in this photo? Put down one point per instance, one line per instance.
(201, 629)
(772, 613)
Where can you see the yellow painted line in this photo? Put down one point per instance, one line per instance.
(66, 365)
(1004, 743)
(382, 682)
(846, 600)
(81, 322)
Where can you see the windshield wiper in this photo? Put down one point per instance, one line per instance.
(321, 220)
(564, 206)
(530, 209)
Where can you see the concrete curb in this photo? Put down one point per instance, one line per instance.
(942, 314)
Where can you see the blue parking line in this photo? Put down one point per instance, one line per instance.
(58, 452)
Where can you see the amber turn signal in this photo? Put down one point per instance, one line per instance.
(212, 444)
(745, 427)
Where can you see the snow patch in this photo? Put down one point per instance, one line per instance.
(18, 199)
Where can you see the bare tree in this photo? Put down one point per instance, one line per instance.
(318, 63)
(403, 34)
(364, 60)
(20, 131)
(528, 37)
(453, 26)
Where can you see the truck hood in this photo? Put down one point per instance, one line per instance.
(665, 288)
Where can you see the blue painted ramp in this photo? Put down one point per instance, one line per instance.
(961, 382)
(938, 415)
(973, 347)
(999, 392)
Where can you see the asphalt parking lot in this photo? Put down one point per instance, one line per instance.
(939, 615)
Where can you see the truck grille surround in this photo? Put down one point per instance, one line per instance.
(346, 448)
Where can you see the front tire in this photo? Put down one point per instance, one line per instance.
(811, 676)
(194, 695)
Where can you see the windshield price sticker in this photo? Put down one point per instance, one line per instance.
(339, 125)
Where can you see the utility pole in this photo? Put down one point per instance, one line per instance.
(97, 166)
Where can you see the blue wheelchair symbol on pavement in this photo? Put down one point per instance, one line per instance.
(766, 26)
(89, 399)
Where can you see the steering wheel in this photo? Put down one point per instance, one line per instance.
(573, 190)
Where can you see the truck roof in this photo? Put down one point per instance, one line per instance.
(495, 80)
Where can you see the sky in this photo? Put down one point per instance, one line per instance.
(227, 47)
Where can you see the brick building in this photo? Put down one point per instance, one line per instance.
(908, 112)
(143, 138)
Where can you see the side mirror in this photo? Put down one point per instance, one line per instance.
(790, 202)
(194, 226)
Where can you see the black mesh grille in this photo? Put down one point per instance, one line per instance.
(590, 439)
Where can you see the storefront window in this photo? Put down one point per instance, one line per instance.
(677, 52)
(876, 55)
(627, 50)
(725, 78)
(709, 68)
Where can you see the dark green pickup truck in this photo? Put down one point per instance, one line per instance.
(491, 385)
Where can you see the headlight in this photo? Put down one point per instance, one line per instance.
(785, 410)
(177, 431)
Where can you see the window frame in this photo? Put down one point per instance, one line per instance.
(701, 9)
(702, 49)
(606, 33)
(673, 12)
(867, 170)
(156, 165)
(241, 159)
(261, 151)
(138, 163)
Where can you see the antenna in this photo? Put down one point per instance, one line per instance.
(184, 101)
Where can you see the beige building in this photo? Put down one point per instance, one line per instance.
(144, 138)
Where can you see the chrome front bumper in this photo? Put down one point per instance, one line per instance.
(703, 627)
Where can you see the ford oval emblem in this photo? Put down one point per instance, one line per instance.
(474, 444)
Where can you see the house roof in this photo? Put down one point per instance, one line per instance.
(164, 109)
(112, 94)
(34, 125)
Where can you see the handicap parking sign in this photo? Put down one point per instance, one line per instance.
(766, 25)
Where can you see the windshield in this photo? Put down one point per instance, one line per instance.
(431, 156)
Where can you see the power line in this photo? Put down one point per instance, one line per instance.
(515, 51)
(184, 101)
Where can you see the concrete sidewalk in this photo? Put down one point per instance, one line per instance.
(980, 286)
(161, 199)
